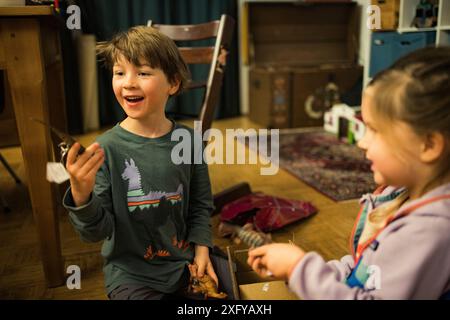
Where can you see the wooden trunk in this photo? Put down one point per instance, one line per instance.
(300, 54)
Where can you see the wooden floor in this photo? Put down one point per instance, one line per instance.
(21, 274)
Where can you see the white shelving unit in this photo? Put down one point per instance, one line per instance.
(406, 16)
(443, 32)
(407, 12)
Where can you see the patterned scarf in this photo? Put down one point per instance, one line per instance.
(377, 218)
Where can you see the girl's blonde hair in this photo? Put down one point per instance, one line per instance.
(416, 90)
(141, 45)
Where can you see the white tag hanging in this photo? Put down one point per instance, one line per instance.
(56, 172)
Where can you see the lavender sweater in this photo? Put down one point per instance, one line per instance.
(411, 258)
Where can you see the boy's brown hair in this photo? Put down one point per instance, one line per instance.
(146, 45)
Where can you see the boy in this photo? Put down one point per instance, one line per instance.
(153, 215)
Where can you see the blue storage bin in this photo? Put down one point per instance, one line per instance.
(382, 53)
(388, 47)
(409, 42)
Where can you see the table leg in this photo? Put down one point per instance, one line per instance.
(26, 73)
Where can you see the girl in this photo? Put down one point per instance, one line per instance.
(400, 241)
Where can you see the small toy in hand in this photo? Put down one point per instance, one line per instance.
(204, 285)
(246, 234)
(66, 140)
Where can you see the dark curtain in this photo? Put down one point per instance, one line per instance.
(71, 77)
(104, 18)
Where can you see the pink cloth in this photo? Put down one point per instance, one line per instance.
(266, 212)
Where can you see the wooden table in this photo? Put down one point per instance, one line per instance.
(30, 57)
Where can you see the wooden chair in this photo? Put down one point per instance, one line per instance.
(215, 56)
(220, 30)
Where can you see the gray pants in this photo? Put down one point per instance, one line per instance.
(140, 292)
(136, 292)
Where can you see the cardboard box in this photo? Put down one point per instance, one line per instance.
(389, 10)
(386, 5)
(389, 20)
(271, 290)
(247, 285)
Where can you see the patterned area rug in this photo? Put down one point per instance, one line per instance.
(334, 168)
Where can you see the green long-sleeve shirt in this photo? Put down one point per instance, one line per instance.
(149, 211)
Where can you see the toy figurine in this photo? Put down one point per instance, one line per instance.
(204, 285)
(245, 234)
(426, 14)
(66, 140)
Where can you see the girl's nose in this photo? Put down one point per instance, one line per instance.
(363, 142)
(360, 143)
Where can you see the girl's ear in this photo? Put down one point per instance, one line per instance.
(433, 147)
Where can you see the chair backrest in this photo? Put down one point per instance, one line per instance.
(221, 30)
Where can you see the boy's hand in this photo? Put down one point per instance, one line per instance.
(82, 170)
(204, 263)
(278, 258)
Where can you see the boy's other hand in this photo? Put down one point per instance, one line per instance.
(82, 170)
(204, 264)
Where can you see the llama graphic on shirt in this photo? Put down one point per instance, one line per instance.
(137, 198)
(166, 215)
